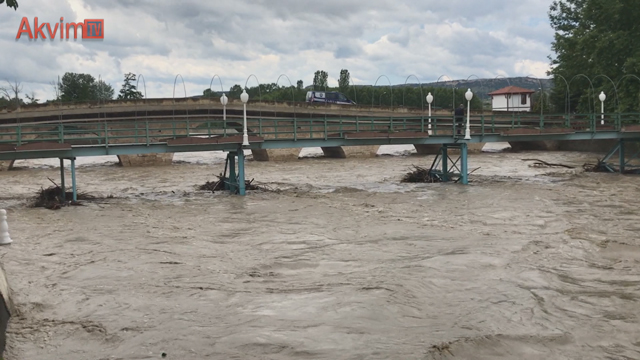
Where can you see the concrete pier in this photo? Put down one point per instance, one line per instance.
(6, 165)
(276, 154)
(343, 152)
(139, 160)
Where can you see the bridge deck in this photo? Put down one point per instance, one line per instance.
(204, 132)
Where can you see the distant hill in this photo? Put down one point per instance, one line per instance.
(481, 87)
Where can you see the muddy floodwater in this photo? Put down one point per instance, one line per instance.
(340, 261)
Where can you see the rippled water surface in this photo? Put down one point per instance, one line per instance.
(340, 261)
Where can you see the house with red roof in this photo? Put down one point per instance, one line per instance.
(511, 98)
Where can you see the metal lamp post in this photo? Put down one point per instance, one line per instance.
(224, 101)
(541, 107)
(429, 100)
(245, 97)
(602, 98)
(469, 96)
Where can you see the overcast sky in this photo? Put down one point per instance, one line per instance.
(394, 39)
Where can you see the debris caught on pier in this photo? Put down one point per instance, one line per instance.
(599, 166)
(51, 198)
(602, 166)
(420, 175)
(423, 175)
(540, 163)
(219, 185)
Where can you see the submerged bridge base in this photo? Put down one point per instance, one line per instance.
(140, 160)
(6, 165)
(235, 182)
(446, 169)
(343, 152)
(333, 152)
(276, 154)
(627, 157)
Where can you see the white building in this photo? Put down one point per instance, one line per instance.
(511, 98)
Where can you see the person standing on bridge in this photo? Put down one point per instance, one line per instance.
(459, 114)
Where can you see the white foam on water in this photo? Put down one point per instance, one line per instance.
(496, 147)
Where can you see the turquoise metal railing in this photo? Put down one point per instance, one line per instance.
(152, 131)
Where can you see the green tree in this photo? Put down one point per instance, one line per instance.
(343, 81)
(103, 91)
(11, 3)
(235, 91)
(208, 93)
(595, 38)
(320, 80)
(300, 84)
(76, 87)
(129, 90)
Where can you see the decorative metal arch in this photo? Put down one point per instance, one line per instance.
(481, 84)
(626, 76)
(390, 89)
(453, 91)
(293, 98)
(615, 89)
(530, 76)
(590, 83)
(567, 97)
(174, 95)
(144, 82)
(259, 91)
(211, 99)
(421, 91)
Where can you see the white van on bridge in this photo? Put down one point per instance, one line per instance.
(329, 97)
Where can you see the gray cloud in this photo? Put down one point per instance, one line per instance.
(161, 38)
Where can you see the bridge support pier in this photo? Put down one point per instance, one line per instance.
(236, 181)
(6, 165)
(624, 162)
(276, 154)
(73, 179)
(344, 152)
(140, 160)
(447, 169)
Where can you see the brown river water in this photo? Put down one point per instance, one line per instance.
(341, 262)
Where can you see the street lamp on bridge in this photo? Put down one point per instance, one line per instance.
(429, 100)
(245, 97)
(224, 100)
(602, 98)
(469, 96)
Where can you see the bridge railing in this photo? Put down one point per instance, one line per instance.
(155, 131)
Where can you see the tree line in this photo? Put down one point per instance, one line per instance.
(72, 88)
(597, 50)
(395, 96)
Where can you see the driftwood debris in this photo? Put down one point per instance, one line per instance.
(540, 163)
(602, 166)
(422, 175)
(419, 175)
(219, 185)
(51, 198)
